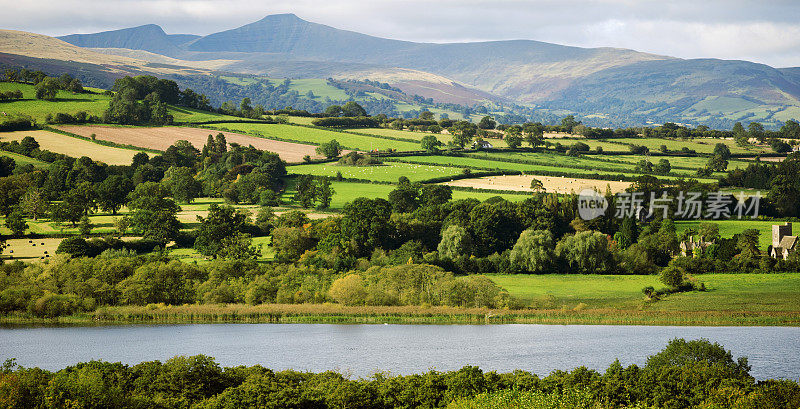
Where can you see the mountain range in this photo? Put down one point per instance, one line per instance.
(611, 84)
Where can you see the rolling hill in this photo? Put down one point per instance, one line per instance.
(603, 85)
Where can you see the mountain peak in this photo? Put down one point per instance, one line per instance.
(282, 17)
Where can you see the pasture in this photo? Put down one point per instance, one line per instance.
(700, 145)
(21, 160)
(66, 102)
(395, 133)
(727, 228)
(725, 292)
(556, 167)
(551, 184)
(694, 162)
(316, 136)
(345, 192)
(550, 291)
(160, 138)
(74, 147)
(387, 172)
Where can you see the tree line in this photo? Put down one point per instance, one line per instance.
(685, 374)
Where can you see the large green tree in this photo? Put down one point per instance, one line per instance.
(154, 213)
(222, 222)
(534, 252)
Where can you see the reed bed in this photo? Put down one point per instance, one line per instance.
(338, 314)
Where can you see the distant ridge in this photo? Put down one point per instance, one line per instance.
(149, 37)
(627, 84)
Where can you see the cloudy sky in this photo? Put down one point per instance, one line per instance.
(766, 31)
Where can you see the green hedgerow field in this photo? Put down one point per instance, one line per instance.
(478, 162)
(93, 104)
(700, 145)
(318, 136)
(550, 291)
(66, 102)
(727, 228)
(682, 161)
(21, 160)
(387, 172)
(345, 192)
(557, 159)
(725, 292)
(189, 115)
(395, 133)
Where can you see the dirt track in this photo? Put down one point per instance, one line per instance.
(161, 138)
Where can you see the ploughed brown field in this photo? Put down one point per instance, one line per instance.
(552, 184)
(160, 138)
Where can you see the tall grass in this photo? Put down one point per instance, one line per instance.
(338, 314)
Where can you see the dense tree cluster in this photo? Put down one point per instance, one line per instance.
(71, 189)
(685, 374)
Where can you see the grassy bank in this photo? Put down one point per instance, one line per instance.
(338, 314)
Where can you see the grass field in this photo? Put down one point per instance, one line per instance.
(727, 228)
(160, 138)
(700, 145)
(318, 136)
(556, 166)
(725, 292)
(693, 162)
(74, 147)
(387, 172)
(348, 191)
(189, 115)
(93, 104)
(66, 102)
(21, 160)
(394, 133)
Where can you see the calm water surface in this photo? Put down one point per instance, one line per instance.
(361, 350)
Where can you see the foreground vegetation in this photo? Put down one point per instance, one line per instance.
(686, 374)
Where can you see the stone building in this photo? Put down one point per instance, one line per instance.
(783, 242)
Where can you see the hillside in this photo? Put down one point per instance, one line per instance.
(618, 86)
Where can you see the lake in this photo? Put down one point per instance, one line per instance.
(362, 350)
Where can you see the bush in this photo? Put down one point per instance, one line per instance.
(348, 290)
(55, 305)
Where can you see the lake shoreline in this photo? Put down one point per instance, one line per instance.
(338, 314)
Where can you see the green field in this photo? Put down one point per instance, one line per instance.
(93, 104)
(727, 228)
(66, 102)
(725, 292)
(189, 115)
(700, 145)
(693, 162)
(21, 160)
(318, 136)
(191, 255)
(395, 133)
(346, 192)
(476, 161)
(301, 120)
(387, 172)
